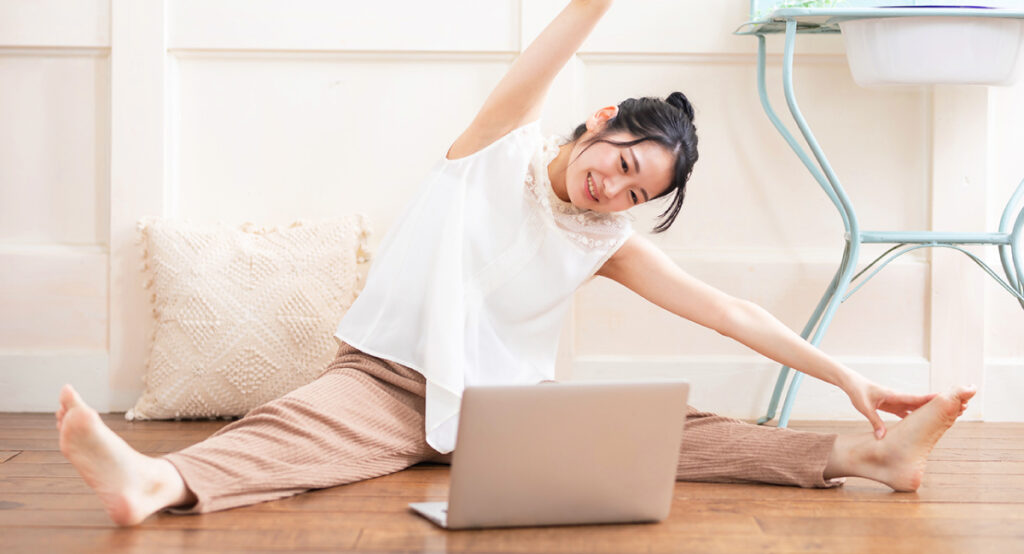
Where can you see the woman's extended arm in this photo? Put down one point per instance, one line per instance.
(646, 270)
(519, 96)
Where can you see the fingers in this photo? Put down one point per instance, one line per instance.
(903, 404)
(907, 401)
(899, 410)
(876, 422)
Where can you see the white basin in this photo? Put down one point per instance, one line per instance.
(933, 50)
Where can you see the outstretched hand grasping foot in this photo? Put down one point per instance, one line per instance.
(899, 459)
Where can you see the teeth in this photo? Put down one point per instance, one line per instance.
(590, 186)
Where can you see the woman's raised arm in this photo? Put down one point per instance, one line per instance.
(649, 272)
(519, 96)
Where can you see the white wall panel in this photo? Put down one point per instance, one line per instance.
(453, 25)
(678, 26)
(53, 299)
(273, 139)
(55, 23)
(138, 175)
(53, 147)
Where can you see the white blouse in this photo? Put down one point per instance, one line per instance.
(471, 285)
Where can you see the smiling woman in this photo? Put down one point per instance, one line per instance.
(659, 132)
(470, 287)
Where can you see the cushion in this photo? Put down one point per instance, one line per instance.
(243, 315)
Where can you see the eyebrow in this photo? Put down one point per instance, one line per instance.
(636, 164)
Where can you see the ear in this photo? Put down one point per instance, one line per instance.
(601, 117)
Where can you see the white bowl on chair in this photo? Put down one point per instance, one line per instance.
(933, 50)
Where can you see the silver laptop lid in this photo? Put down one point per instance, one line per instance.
(566, 453)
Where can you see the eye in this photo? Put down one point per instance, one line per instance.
(633, 196)
(625, 167)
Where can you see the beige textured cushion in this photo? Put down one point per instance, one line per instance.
(243, 315)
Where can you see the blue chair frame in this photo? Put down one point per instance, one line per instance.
(1011, 225)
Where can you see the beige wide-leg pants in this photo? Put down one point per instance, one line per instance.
(363, 418)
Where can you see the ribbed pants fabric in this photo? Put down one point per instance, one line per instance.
(363, 418)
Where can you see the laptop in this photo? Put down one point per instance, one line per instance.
(564, 454)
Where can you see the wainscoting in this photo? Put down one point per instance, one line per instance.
(271, 111)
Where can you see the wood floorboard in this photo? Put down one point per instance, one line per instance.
(977, 455)
(1012, 447)
(142, 445)
(938, 474)
(135, 433)
(941, 461)
(599, 542)
(971, 500)
(979, 467)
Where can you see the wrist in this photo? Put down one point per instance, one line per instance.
(847, 379)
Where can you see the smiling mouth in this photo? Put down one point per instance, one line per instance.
(591, 188)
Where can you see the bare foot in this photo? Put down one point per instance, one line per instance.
(132, 486)
(899, 459)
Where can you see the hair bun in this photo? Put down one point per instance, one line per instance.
(680, 101)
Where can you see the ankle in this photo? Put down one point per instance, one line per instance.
(853, 456)
(176, 493)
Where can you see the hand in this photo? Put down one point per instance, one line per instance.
(868, 397)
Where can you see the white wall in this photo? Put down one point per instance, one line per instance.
(269, 111)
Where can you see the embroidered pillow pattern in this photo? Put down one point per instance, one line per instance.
(243, 315)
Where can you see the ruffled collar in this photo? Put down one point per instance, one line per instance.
(585, 227)
(549, 151)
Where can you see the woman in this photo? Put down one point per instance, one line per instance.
(470, 288)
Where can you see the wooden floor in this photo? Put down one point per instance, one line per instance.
(972, 501)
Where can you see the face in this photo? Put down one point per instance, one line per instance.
(608, 178)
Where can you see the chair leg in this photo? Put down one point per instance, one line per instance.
(780, 382)
(787, 407)
(843, 276)
(839, 198)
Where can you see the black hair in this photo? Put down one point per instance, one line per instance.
(668, 122)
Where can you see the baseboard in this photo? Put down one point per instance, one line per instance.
(31, 382)
(1004, 383)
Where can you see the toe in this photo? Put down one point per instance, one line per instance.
(966, 393)
(69, 397)
(66, 397)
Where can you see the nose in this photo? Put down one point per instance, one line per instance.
(614, 186)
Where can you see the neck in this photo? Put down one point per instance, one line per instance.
(556, 171)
